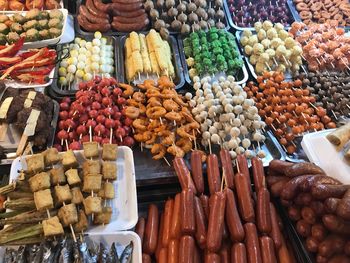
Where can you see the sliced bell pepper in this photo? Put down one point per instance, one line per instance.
(12, 50)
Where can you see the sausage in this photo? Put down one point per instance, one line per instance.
(294, 213)
(324, 191)
(245, 201)
(101, 6)
(90, 27)
(146, 258)
(160, 235)
(188, 221)
(175, 226)
(227, 167)
(286, 203)
(263, 217)
(279, 166)
(321, 259)
(347, 248)
(339, 259)
(173, 251)
(252, 243)
(238, 253)
(205, 204)
(302, 168)
(312, 244)
(140, 228)
(186, 249)
(317, 179)
(197, 171)
(283, 253)
(213, 173)
(336, 224)
(343, 208)
(331, 204)
(225, 231)
(211, 258)
(151, 230)
(168, 214)
(126, 7)
(318, 231)
(129, 27)
(183, 174)
(277, 187)
(242, 163)
(303, 199)
(216, 221)
(233, 220)
(201, 223)
(94, 11)
(258, 174)
(127, 20)
(91, 18)
(317, 207)
(275, 233)
(291, 188)
(125, 1)
(267, 250)
(331, 245)
(303, 228)
(196, 256)
(130, 14)
(163, 255)
(271, 179)
(225, 254)
(308, 215)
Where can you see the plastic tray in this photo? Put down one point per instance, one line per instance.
(241, 79)
(324, 154)
(55, 85)
(179, 71)
(17, 12)
(124, 205)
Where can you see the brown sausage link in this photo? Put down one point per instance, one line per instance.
(303, 199)
(183, 174)
(343, 208)
(201, 223)
(131, 14)
(267, 250)
(186, 249)
(303, 228)
(173, 251)
(284, 254)
(90, 17)
(347, 248)
(317, 179)
(279, 166)
(324, 191)
(205, 204)
(101, 6)
(320, 259)
(318, 231)
(151, 230)
(258, 174)
(339, 259)
(271, 179)
(196, 256)
(127, 20)
(331, 245)
(213, 173)
(175, 227)
(126, 7)
(225, 253)
(308, 215)
(242, 163)
(277, 187)
(317, 207)
(275, 233)
(238, 253)
(312, 244)
(163, 255)
(331, 204)
(227, 167)
(160, 236)
(94, 11)
(168, 214)
(233, 219)
(245, 201)
(140, 228)
(302, 168)
(263, 217)
(188, 222)
(90, 27)
(294, 213)
(252, 243)
(146, 258)
(197, 171)
(292, 187)
(212, 258)
(336, 224)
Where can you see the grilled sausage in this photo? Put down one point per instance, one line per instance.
(245, 201)
(331, 204)
(213, 173)
(168, 214)
(94, 11)
(160, 237)
(136, 13)
(126, 7)
(233, 220)
(211, 258)
(205, 204)
(90, 17)
(90, 27)
(188, 221)
(324, 191)
(238, 253)
(279, 166)
(343, 208)
(252, 243)
(173, 251)
(163, 255)
(331, 245)
(140, 228)
(336, 224)
(242, 163)
(151, 230)
(121, 27)
(263, 217)
(197, 171)
(267, 250)
(312, 244)
(258, 173)
(175, 226)
(227, 167)
(308, 215)
(225, 254)
(183, 174)
(146, 258)
(275, 233)
(101, 6)
(302, 168)
(294, 213)
(201, 223)
(186, 249)
(278, 187)
(303, 228)
(318, 232)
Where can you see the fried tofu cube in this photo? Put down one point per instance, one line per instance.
(35, 163)
(39, 181)
(104, 217)
(57, 176)
(92, 205)
(109, 152)
(51, 156)
(77, 196)
(82, 223)
(109, 170)
(69, 160)
(73, 176)
(68, 214)
(108, 190)
(63, 193)
(101, 192)
(92, 183)
(90, 149)
(43, 199)
(91, 167)
(52, 227)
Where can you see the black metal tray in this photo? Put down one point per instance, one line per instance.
(73, 89)
(179, 71)
(241, 77)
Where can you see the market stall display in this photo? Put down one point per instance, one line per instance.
(19, 5)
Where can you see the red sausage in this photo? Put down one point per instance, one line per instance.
(94, 11)
(140, 228)
(279, 166)
(173, 251)
(275, 233)
(213, 173)
(225, 253)
(227, 167)
(201, 223)
(197, 256)
(263, 215)
(146, 258)
(188, 224)
(258, 173)
(131, 14)
(122, 27)
(127, 20)
(90, 27)
(183, 174)
(168, 213)
(186, 249)
(175, 226)
(151, 230)
(125, 1)
(127, 7)
(252, 243)
(238, 253)
(233, 220)
(212, 258)
(216, 221)
(101, 6)
(163, 255)
(197, 171)
(267, 250)
(245, 201)
(160, 235)
(242, 163)
(90, 17)
(205, 204)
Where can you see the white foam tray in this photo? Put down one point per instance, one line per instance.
(324, 154)
(124, 205)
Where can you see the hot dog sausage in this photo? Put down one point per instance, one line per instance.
(283, 253)
(263, 217)
(271, 179)
(216, 221)
(302, 168)
(183, 174)
(163, 255)
(336, 224)
(343, 208)
(225, 254)
(101, 6)
(324, 191)
(212, 258)
(168, 213)
(126, 7)
(317, 207)
(242, 163)
(303, 228)
(252, 243)
(275, 233)
(308, 215)
(188, 222)
(90, 27)
(320, 259)
(173, 251)
(258, 173)
(160, 235)
(291, 188)
(131, 14)
(201, 223)
(151, 230)
(303, 199)
(317, 179)
(197, 256)
(129, 27)
(213, 173)
(94, 11)
(277, 187)
(205, 204)
(127, 20)
(318, 231)
(227, 167)
(339, 259)
(197, 171)
(146, 258)
(238, 253)
(331, 245)
(245, 201)
(312, 244)
(140, 228)
(90, 17)
(331, 204)
(294, 213)
(267, 250)
(175, 226)
(125, 1)
(186, 249)
(279, 166)
(233, 220)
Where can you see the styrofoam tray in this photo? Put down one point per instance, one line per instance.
(124, 205)
(324, 154)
